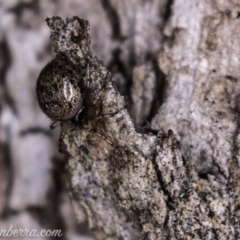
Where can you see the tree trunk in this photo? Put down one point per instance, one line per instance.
(175, 64)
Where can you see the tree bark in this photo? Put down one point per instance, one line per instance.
(175, 63)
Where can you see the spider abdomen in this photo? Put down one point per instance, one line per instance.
(58, 91)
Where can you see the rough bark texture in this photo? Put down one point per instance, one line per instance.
(126, 184)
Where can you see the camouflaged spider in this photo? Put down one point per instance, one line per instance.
(60, 97)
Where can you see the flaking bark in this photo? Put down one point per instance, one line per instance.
(133, 185)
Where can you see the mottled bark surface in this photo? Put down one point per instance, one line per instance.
(177, 58)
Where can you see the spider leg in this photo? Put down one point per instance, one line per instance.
(99, 95)
(102, 90)
(110, 114)
(101, 136)
(54, 124)
(94, 116)
(105, 138)
(88, 74)
(106, 116)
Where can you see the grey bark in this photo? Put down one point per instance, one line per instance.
(195, 90)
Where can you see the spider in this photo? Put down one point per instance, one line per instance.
(60, 97)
